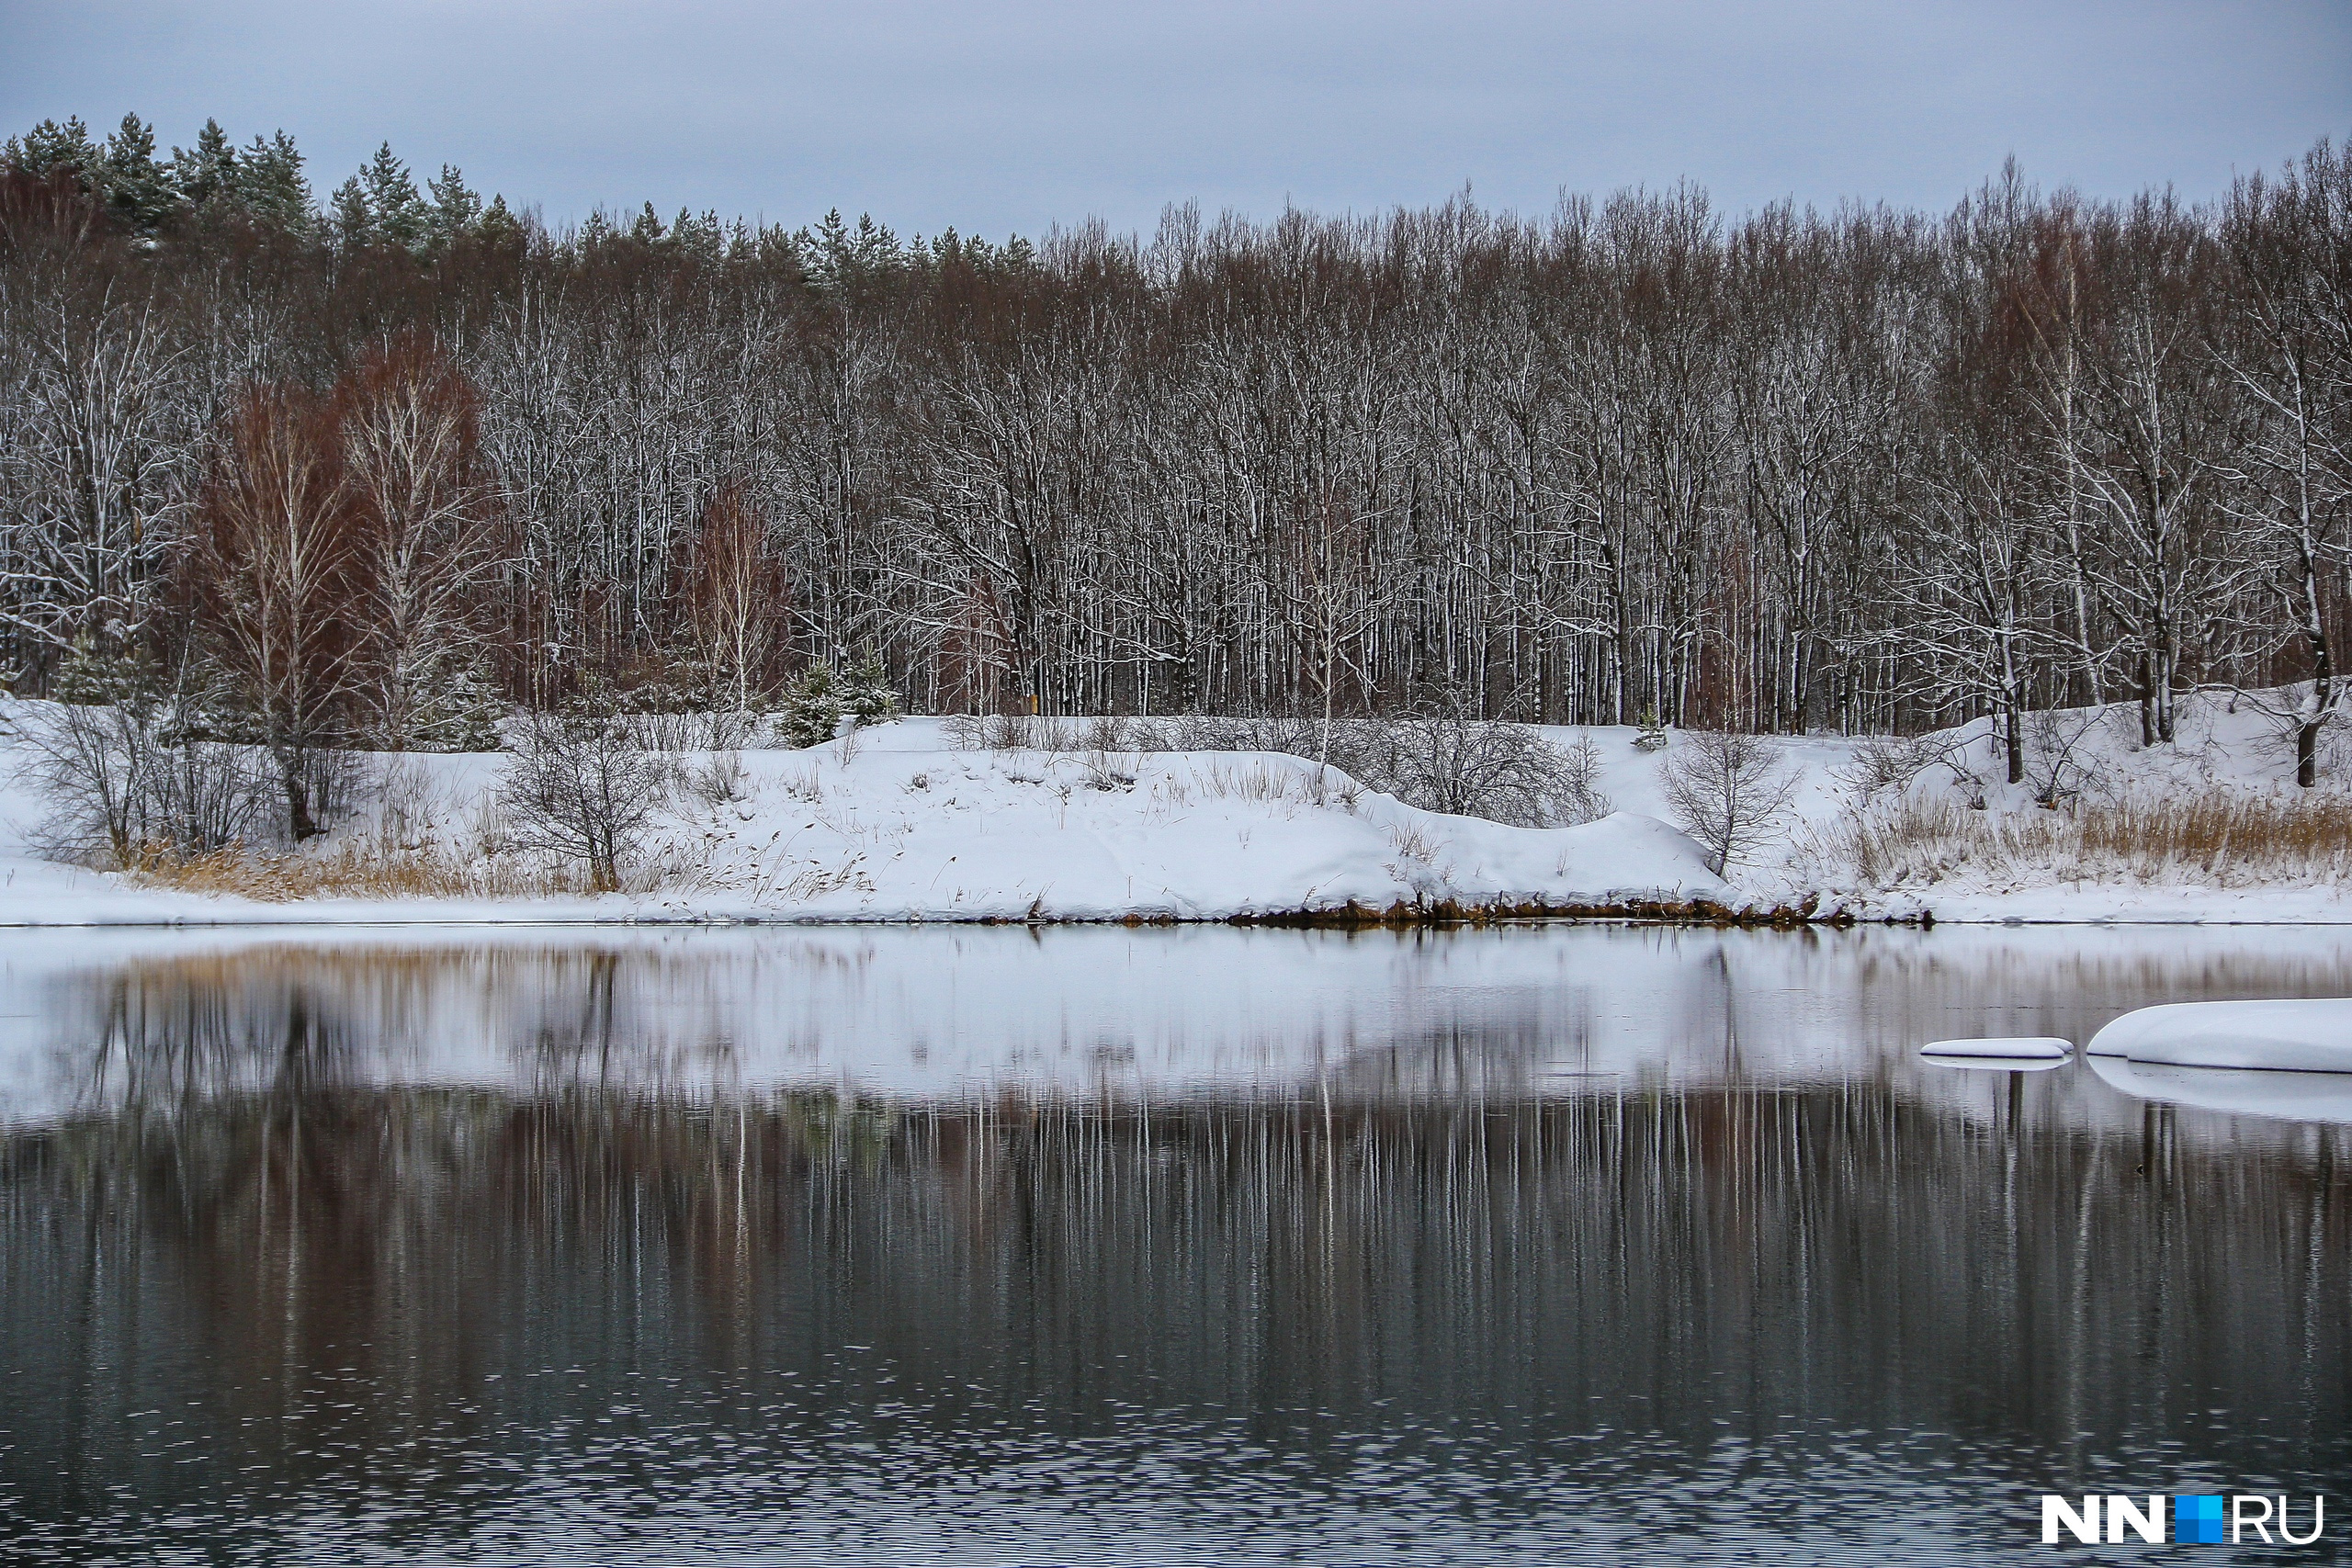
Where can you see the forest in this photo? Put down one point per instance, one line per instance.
(366, 469)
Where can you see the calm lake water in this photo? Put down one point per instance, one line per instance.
(1096, 1246)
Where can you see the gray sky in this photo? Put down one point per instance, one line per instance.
(999, 117)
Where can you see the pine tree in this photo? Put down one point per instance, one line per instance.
(459, 710)
(867, 693)
(456, 208)
(49, 146)
(270, 187)
(207, 173)
(812, 709)
(498, 226)
(138, 190)
(353, 220)
(700, 236)
(90, 676)
(396, 214)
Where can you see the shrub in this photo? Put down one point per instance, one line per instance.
(580, 787)
(124, 787)
(1467, 767)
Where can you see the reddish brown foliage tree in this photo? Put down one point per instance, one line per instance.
(734, 596)
(275, 571)
(422, 510)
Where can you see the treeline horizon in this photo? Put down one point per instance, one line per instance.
(347, 468)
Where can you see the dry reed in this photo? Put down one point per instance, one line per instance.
(364, 870)
(2215, 838)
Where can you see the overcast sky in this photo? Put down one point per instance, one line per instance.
(1001, 117)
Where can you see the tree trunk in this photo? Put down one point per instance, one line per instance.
(298, 819)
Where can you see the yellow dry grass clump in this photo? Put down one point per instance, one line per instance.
(2217, 838)
(362, 869)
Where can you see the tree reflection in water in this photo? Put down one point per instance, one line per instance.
(250, 1292)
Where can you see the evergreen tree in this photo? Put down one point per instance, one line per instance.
(812, 707)
(456, 208)
(269, 184)
(353, 220)
(700, 236)
(852, 260)
(867, 693)
(498, 226)
(396, 214)
(460, 711)
(816, 704)
(207, 175)
(138, 190)
(92, 676)
(49, 146)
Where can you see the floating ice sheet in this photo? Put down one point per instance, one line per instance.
(2022, 1052)
(2300, 1035)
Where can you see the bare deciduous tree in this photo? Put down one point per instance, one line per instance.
(1728, 790)
(274, 575)
(407, 420)
(735, 596)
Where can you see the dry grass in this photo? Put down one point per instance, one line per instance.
(2215, 838)
(364, 870)
(1270, 784)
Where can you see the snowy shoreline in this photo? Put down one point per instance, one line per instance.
(903, 825)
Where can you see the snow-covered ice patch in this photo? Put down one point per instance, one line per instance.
(2300, 1035)
(2024, 1053)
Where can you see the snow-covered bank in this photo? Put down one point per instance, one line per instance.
(898, 823)
(909, 822)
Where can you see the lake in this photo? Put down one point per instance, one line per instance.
(1102, 1246)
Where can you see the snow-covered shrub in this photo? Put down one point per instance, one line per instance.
(2053, 760)
(720, 731)
(1727, 790)
(580, 787)
(1578, 788)
(1883, 763)
(718, 780)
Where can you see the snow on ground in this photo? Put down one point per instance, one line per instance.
(898, 823)
(2222, 745)
(901, 823)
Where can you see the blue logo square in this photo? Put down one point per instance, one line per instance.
(2197, 1517)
